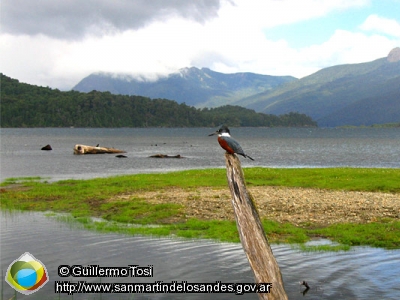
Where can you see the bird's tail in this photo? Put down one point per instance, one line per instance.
(248, 157)
(245, 155)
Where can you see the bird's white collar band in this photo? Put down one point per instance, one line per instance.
(224, 134)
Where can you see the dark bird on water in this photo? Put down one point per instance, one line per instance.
(228, 143)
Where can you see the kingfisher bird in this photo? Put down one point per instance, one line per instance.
(228, 143)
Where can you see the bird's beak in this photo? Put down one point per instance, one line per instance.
(214, 133)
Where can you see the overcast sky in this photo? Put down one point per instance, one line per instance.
(56, 43)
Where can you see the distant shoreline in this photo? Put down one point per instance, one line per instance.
(386, 125)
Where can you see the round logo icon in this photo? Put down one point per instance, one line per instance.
(26, 274)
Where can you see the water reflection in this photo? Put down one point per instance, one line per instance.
(361, 273)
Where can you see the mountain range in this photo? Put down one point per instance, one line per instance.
(353, 94)
(193, 86)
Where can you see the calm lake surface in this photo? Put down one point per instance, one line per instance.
(361, 273)
(277, 147)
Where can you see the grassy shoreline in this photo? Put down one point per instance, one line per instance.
(101, 197)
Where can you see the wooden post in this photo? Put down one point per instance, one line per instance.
(252, 235)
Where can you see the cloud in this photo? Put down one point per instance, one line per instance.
(75, 19)
(345, 47)
(35, 60)
(73, 39)
(379, 24)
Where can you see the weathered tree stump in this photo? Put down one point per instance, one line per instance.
(252, 235)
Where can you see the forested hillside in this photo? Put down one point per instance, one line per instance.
(24, 105)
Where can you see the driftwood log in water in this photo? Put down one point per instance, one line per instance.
(252, 236)
(83, 149)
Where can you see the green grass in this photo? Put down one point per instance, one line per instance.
(385, 233)
(140, 211)
(84, 199)
(224, 231)
(351, 179)
(320, 248)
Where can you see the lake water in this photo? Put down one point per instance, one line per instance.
(276, 147)
(361, 273)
